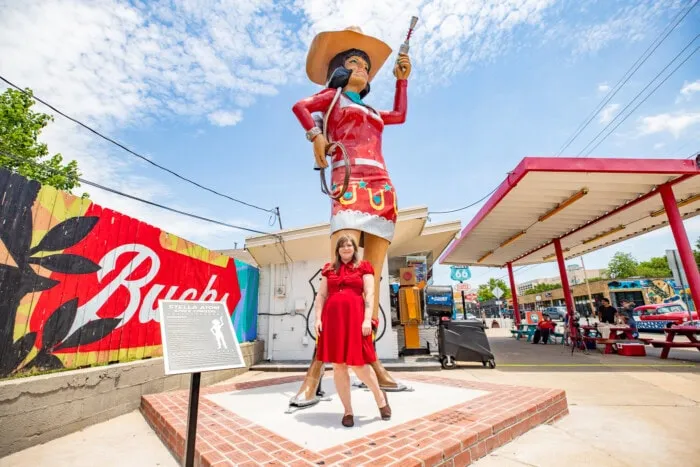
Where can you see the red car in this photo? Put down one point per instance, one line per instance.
(661, 315)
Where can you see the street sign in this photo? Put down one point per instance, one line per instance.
(198, 336)
(676, 267)
(460, 273)
(498, 302)
(462, 287)
(497, 292)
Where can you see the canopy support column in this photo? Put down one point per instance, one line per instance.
(514, 294)
(568, 297)
(682, 243)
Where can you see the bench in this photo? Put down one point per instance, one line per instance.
(520, 333)
(667, 346)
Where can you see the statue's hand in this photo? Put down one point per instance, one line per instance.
(320, 146)
(402, 69)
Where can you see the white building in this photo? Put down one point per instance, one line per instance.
(290, 271)
(574, 272)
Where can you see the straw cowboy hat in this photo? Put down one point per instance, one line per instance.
(327, 45)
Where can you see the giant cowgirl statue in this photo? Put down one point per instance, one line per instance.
(349, 132)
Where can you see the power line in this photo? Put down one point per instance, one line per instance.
(116, 143)
(630, 72)
(465, 207)
(135, 198)
(643, 100)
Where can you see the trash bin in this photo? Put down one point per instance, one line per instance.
(463, 341)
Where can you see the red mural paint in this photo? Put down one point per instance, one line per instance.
(117, 306)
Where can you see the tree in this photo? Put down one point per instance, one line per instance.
(654, 267)
(622, 265)
(20, 128)
(697, 252)
(539, 288)
(485, 293)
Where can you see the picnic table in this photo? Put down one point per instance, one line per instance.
(528, 329)
(618, 335)
(688, 331)
(524, 329)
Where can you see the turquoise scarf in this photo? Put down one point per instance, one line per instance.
(355, 97)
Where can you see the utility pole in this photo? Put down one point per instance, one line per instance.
(588, 286)
(279, 217)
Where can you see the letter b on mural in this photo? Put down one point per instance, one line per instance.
(80, 284)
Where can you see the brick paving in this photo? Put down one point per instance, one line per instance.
(456, 436)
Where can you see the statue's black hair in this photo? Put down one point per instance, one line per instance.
(338, 76)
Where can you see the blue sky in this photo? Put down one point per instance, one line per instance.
(205, 87)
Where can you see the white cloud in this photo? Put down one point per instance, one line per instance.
(673, 123)
(452, 35)
(603, 87)
(225, 118)
(659, 145)
(637, 21)
(606, 115)
(689, 89)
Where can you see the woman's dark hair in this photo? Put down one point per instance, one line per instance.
(338, 76)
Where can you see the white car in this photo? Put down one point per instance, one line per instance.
(470, 317)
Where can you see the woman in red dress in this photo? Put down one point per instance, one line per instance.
(344, 324)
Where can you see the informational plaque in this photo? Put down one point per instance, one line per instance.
(198, 336)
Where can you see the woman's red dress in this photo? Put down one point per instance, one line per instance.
(341, 339)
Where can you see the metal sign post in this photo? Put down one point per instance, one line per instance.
(192, 411)
(461, 274)
(197, 336)
(676, 267)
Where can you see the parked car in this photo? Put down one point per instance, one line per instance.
(661, 315)
(555, 312)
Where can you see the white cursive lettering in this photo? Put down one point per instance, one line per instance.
(147, 308)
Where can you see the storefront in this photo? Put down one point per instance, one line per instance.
(640, 291)
(290, 270)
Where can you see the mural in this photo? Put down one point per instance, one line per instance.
(80, 284)
(655, 291)
(245, 316)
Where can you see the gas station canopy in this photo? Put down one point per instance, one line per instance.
(587, 204)
(413, 236)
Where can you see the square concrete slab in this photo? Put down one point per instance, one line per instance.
(479, 418)
(319, 427)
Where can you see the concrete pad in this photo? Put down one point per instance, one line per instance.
(247, 425)
(124, 440)
(319, 427)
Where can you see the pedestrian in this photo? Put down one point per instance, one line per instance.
(606, 312)
(344, 325)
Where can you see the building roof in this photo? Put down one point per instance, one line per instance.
(412, 236)
(240, 254)
(587, 203)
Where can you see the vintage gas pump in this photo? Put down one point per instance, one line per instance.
(411, 312)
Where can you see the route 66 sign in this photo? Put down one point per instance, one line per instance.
(460, 273)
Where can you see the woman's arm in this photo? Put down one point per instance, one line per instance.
(317, 103)
(398, 115)
(368, 282)
(321, 296)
